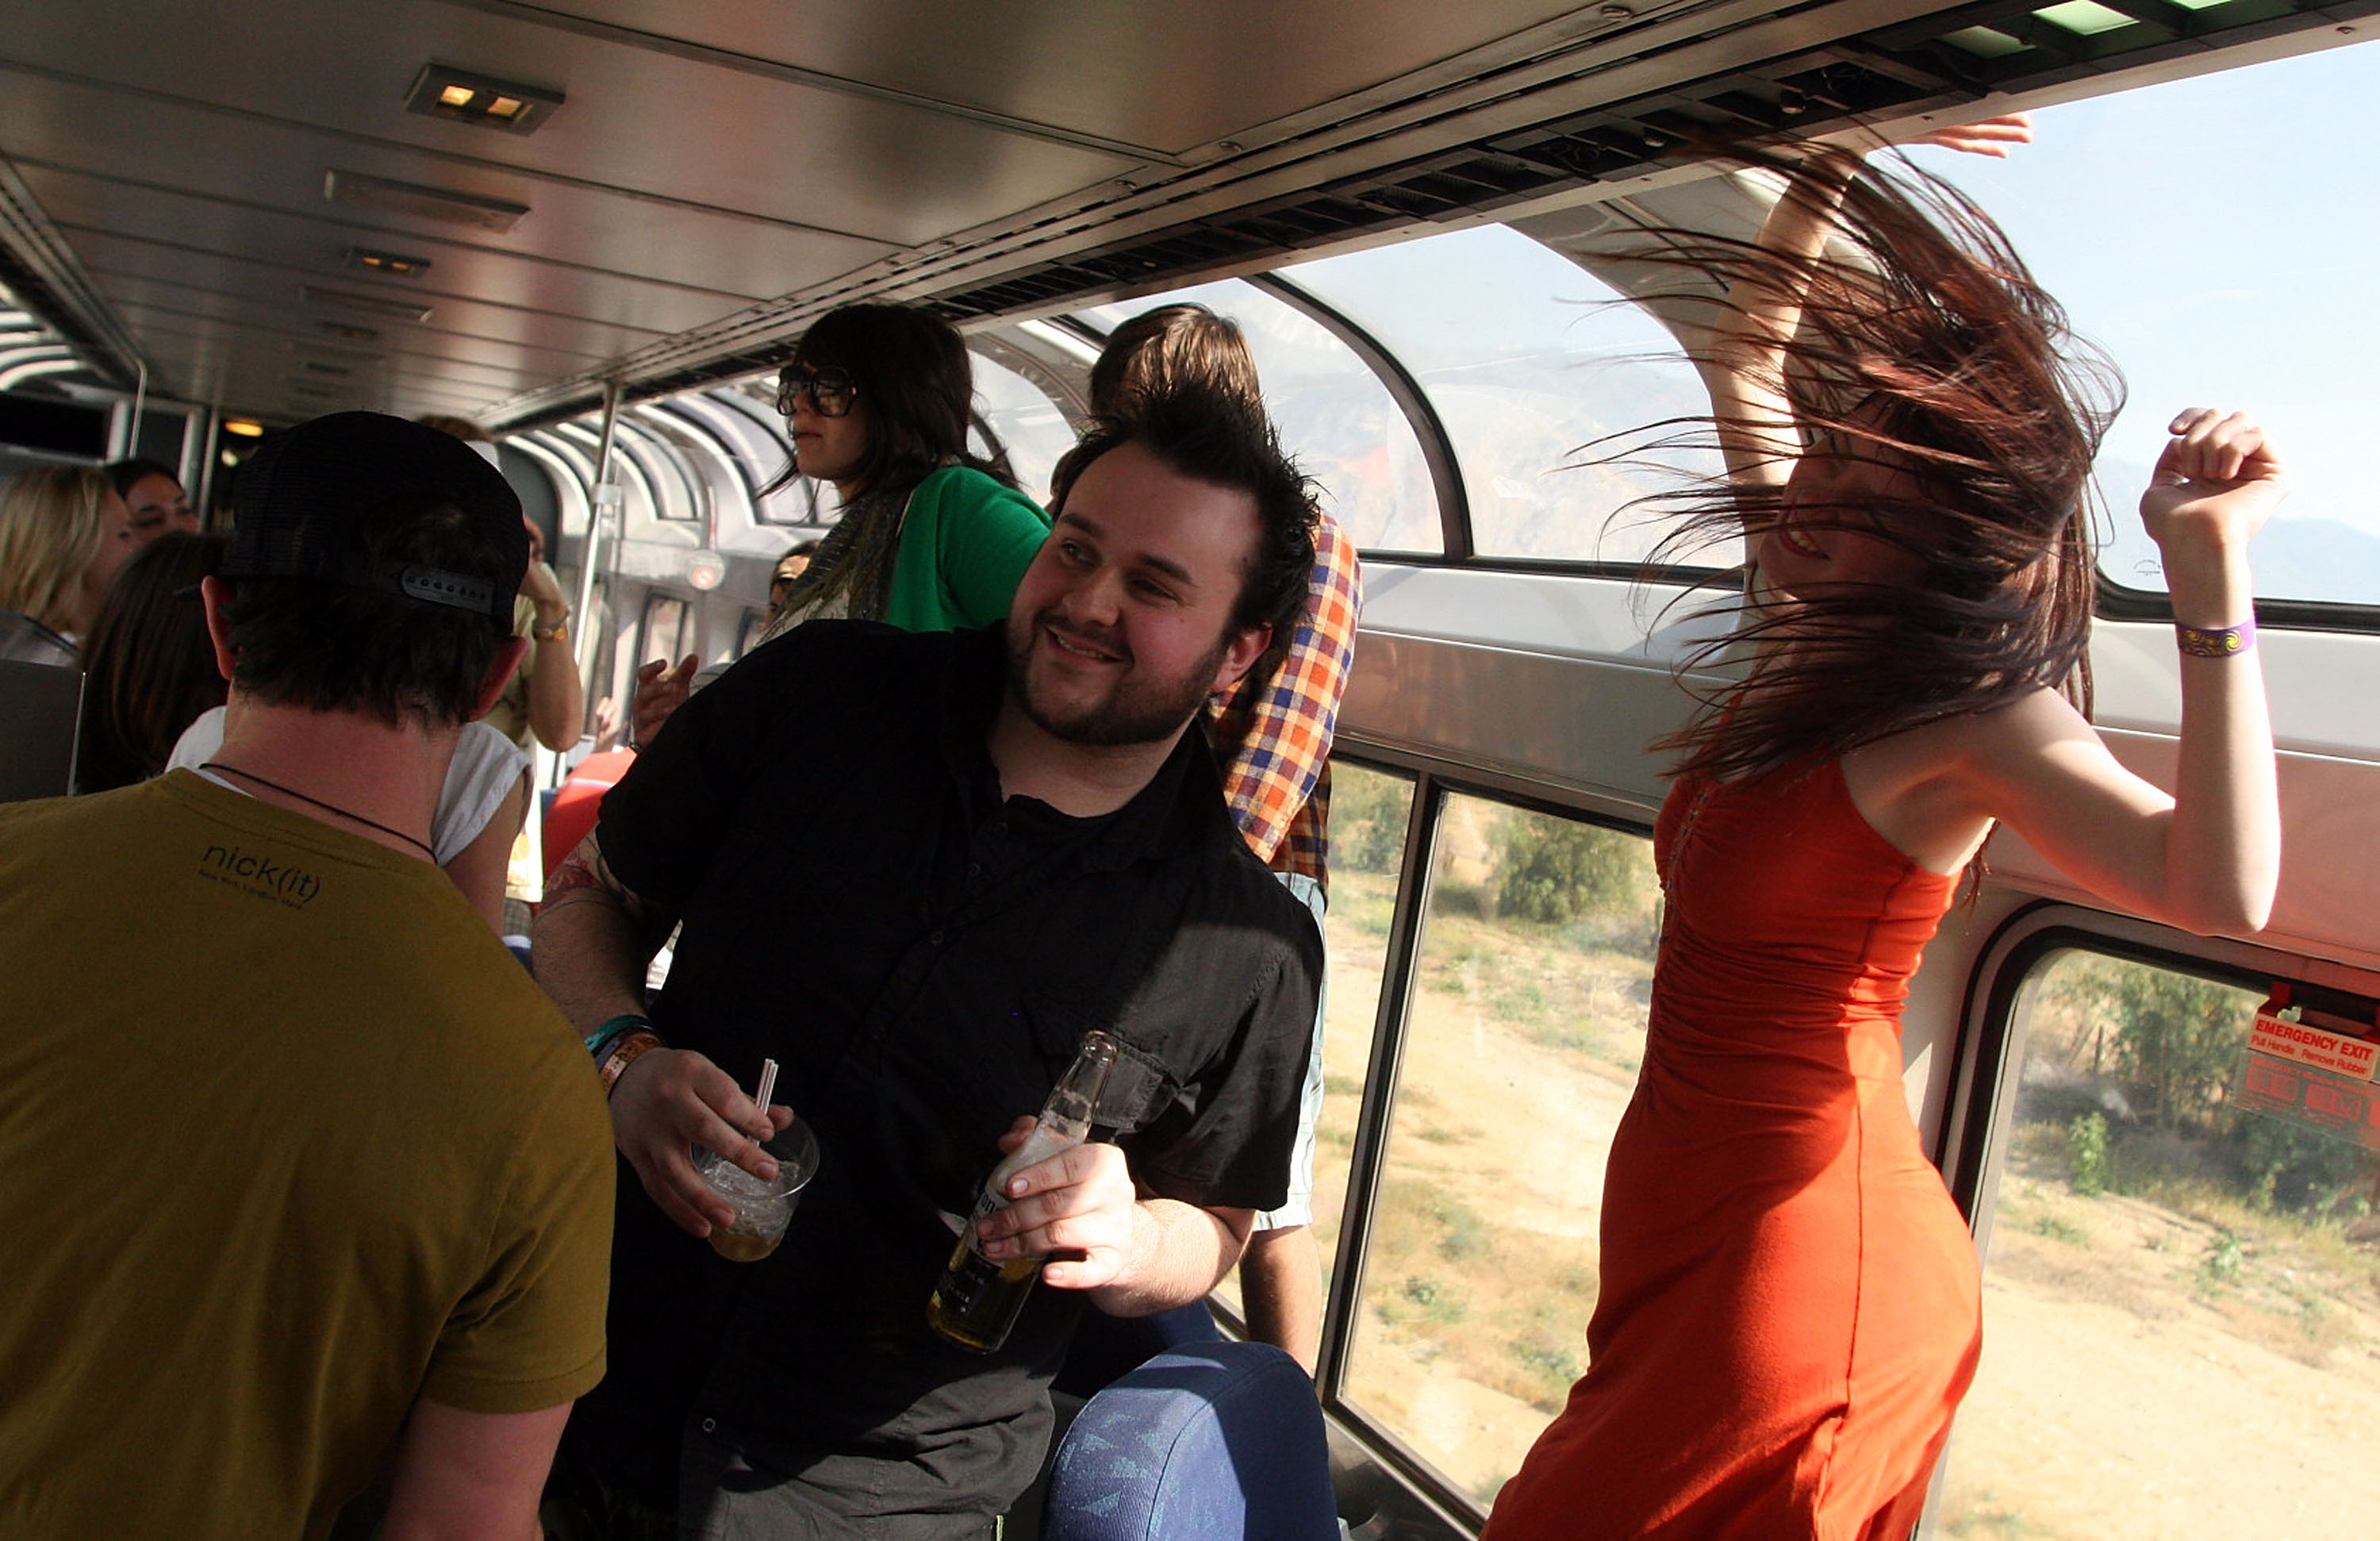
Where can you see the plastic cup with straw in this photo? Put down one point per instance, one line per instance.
(762, 1208)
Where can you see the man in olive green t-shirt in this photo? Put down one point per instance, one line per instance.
(304, 1180)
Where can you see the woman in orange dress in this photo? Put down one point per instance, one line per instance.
(1789, 1306)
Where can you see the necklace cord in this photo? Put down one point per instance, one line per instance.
(421, 846)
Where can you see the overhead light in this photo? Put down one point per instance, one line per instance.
(371, 305)
(2083, 17)
(411, 197)
(247, 428)
(386, 262)
(442, 91)
(351, 334)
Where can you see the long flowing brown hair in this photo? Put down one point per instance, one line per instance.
(1924, 346)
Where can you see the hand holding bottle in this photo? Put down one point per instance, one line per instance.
(1077, 1208)
(979, 1294)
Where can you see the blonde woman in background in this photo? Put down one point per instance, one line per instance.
(63, 532)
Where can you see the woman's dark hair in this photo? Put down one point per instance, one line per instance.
(124, 474)
(1924, 347)
(913, 381)
(326, 647)
(1173, 346)
(916, 391)
(149, 665)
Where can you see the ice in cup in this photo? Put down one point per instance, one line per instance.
(762, 1210)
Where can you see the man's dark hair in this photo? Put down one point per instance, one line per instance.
(1216, 437)
(122, 474)
(329, 647)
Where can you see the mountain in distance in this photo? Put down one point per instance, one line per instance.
(2294, 558)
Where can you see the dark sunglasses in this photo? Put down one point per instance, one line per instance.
(830, 391)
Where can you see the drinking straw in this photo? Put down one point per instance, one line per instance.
(768, 1084)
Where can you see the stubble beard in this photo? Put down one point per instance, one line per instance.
(1135, 712)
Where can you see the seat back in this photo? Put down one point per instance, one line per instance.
(1213, 1441)
(1105, 1348)
(41, 709)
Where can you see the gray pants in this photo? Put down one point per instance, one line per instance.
(723, 1496)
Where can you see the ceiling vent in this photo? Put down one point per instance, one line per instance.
(389, 262)
(409, 198)
(369, 305)
(347, 334)
(442, 91)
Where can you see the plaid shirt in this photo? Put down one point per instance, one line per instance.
(1272, 740)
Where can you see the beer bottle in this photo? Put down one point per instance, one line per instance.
(976, 1301)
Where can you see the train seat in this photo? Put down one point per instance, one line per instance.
(1215, 1440)
(1106, 1348)
(571, 813)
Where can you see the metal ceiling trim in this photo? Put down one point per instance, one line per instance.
(450, 157)
(331, 277)
(1596, 130)
(47, 279)
(817, 79)
(339, 221)
(1593, 72)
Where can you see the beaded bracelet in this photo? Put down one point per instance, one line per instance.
(599, 1041)
(2215, 642)
(624, 1054)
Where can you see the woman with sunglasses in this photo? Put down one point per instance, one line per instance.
(879, 399)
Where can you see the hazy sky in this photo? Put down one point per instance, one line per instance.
(2220, 237)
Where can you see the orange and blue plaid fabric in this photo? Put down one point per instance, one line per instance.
(1272, 738)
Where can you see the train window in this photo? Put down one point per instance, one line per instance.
(1523, 1036)
(673, 494)
(1369, 810)
(2181, 1300)
(2243, 313)
(754, 623)
(1334, 414)
(759, 437)
(668, 630)
(1029, 424)
(1533, 363)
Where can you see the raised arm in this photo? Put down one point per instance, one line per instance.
(1744, 364)
(2206, 858)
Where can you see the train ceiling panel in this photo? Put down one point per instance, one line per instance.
(664, 194)
(1086, 66)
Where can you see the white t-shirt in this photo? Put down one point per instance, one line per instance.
(485, 767)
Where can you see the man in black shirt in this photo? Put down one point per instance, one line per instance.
(915, 869)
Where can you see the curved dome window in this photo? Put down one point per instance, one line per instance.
(1333, 413)
(1533, 365)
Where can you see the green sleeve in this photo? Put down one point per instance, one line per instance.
(985, 536)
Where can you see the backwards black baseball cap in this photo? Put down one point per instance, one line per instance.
(301, 503)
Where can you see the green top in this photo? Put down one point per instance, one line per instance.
(965, 540)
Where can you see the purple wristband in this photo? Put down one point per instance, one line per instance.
(2219, 642)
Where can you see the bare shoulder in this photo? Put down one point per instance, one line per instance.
(1935, 789)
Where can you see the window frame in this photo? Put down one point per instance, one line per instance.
(1434, 780)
